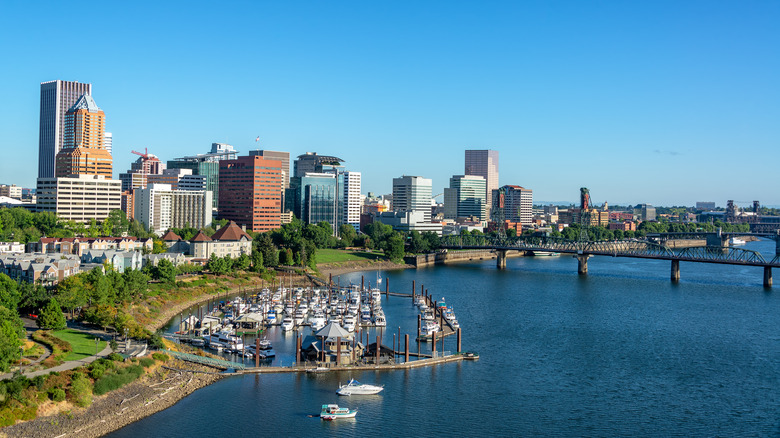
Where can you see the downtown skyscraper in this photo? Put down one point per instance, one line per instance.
(57, 97)
(484, 163)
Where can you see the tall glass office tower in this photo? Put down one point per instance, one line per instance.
(57, 97)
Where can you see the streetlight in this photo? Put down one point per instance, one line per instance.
(96, 346)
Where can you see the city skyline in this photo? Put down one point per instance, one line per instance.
(642, 103)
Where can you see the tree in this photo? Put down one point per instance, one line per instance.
(283, 258)
(241, 263)
(72, 292)
(51, 317)
(264, 245)
(394, 247)
(9, 292)
(164, 271)
(135, 284)
(417, 244)
(11, 335)
(257, 260)
(34, 296)
(348, 234)
(119, 223)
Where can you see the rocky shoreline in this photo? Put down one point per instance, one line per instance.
(158, 390)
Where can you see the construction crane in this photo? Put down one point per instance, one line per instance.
(145, 154)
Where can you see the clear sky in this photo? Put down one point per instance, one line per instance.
(661, 102)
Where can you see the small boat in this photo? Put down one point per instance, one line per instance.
(736, 241)
(287, 323)
(333, 412)
(470, 355)
(356, 388)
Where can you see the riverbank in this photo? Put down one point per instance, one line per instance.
(159, 390)
(154, 392)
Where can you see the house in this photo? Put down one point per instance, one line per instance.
(174, 257)
(43, 268)
(229, 240)
(120, 260)
(80, 245)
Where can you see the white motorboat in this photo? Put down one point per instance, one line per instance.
(356, 388)
(287, 323)
(736, 241)
(379, 320)
(334, 412)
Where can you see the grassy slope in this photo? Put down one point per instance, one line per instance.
(83, 343)
(339, 255)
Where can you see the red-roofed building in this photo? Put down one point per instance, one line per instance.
(229, 240)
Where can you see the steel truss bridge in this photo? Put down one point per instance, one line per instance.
(636, 248)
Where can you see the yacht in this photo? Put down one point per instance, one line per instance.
(349, 323)
(225, 340)
(736, 241)
(287, 323)
(356, 388)
(271, 316)
(318, 320)
(379, 320)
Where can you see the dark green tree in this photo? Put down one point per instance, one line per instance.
(9, 292)
(164, 271)
(51, 317)
(242, 263)
(11, 335)
(394, 247)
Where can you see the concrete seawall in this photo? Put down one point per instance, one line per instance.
(450, 256)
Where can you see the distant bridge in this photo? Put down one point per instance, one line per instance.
(635, 248)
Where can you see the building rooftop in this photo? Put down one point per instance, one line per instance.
(231, 232)
(85, 102)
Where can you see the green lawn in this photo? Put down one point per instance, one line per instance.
(339, 255)
(83, 344)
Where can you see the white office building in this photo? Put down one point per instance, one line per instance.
(413, 193)
(80, 198)
(159, 208)
(352, 199)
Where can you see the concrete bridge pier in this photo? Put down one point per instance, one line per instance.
(777, 243)
(582, 264)
(767, 276)
(675, 271)
(501, 259)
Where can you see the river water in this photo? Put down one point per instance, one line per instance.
(619, 352)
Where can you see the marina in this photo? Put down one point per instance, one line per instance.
(620, 352)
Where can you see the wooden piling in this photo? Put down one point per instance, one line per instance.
(362, 288)
(458, 339)
(419, 325)
(378, 347)
(406, 347)
(257, 351)
(298, 341)
(338, 350)
(433, 343)
(414, 288)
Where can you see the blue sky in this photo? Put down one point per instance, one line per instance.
(658, 102)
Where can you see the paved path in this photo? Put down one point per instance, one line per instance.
(69, 365)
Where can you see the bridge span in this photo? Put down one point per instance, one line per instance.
(635, 248)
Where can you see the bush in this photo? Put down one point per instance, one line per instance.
(96, 370)
(81, 390)
(113, 381)
(146, 362)
(57, 395)
(162, 357)
(116, 357)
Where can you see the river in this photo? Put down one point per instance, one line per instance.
(619, 352)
